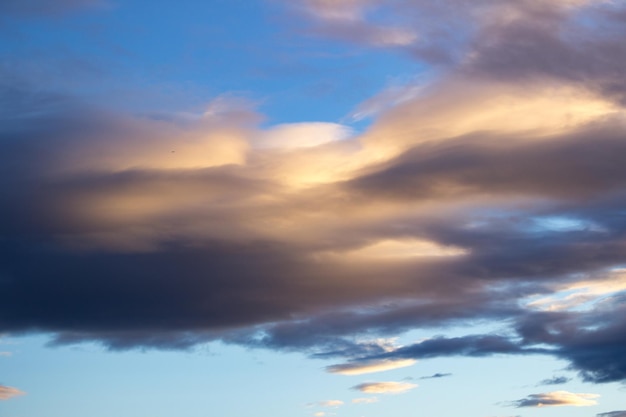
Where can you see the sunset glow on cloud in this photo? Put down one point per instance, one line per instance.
(558, 398)
(360, 368)
(9, 392)
(385, 387)
(346, 187)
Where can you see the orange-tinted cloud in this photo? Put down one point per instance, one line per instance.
(389, 387)
(557, 399)
(9, 392)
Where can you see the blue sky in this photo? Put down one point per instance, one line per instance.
(353, 208)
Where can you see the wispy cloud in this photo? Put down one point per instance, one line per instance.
(367, 367)
(9, 392)
(351, 20)
(436, 376)
(558, 398)
(557, 380)
(368, 400)
(384, 387)
(329, 403)
(612, 414)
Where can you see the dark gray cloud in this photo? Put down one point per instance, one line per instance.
(480, 345)
(612, 414)
(596, 351)
(437, 376)
(560, 45)
(557, 380)
(509, 40)
(137, 232)
(154, 280)
(574, 167)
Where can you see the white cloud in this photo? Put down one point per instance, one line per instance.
(303, 135)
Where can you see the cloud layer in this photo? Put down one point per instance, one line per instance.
(493, 193)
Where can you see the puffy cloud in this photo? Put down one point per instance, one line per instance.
(390, 387)
(9, 392)
(558, 398)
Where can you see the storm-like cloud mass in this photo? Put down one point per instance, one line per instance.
(493, 193)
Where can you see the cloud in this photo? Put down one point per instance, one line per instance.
(350, 20)
(509, 40)
(369, 400)
(612, 414)
(436, 376)
(474, 345)
(384, 387)
(9, 392)
(582, 294)
(330, 403)
(558, 398)
(310, 237)
(557, 380)
(299, 135)
(361, 368)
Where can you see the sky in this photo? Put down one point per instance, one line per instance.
(282, 208)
